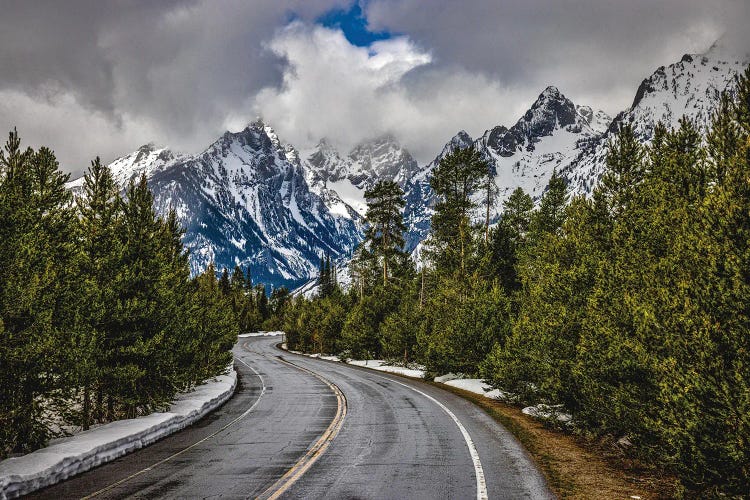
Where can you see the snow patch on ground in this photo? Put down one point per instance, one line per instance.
(548, 411)
(260, 334)
(477, 386)
(72, 455)
(447, 377)
(383, 366)
(474, 385)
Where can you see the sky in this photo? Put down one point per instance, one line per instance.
(97, 77)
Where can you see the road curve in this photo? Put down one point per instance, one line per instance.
(306, 428)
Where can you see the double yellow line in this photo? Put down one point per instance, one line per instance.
(318, 447)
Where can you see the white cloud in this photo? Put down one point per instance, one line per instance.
(347, 93)
(63, 124)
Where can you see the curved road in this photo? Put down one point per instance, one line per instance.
(299, 427)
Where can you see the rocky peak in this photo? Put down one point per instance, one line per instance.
(550, 111)
(382, 158)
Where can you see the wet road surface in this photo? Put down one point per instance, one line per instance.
(299, 427)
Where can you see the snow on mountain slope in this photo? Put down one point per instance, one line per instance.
(245, 201)
(690, 87)
(349, 177)
(420, 199)
(546, 138)
(147, 159)
(250, 199)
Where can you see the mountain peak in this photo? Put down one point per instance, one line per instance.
(550, 111)
(147, 148)
(462, 138)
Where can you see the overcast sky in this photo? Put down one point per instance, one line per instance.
(95, 77)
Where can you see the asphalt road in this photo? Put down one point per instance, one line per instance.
(305, 428)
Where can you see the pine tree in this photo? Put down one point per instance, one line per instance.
(508, 239)
(214, 327)
(99, 212)
(224, 285)
(455, 181)
(384, 236)
(38, 291)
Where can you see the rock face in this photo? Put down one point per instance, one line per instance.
(546, 138)
(250, 199)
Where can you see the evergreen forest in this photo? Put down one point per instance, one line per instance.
(628, 309)
(99, 317)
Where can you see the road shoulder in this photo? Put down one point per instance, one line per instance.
(73, 455)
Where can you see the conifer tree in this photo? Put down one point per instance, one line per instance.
(38, 266)
(455, 181)
(385, 233)
(99, 212)
(508, 239)
(224, 285)
(214, 328)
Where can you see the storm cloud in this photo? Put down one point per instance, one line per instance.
(90, 77)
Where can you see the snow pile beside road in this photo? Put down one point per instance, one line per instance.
(474, 385)
(260, 334)
(72, 455)
(544, 412)
(377, 364)
(477, 386)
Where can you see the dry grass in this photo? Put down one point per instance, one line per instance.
(573, 467)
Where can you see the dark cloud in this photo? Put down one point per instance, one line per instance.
(175, 68)
(595, 50)
(93, 77)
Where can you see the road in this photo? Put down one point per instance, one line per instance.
(299, 427)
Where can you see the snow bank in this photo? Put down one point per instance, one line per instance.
(548, 411)
(72, 455)
(260, 334)
(323, 356)
(477, 386)
(380, 365)
(445, 378)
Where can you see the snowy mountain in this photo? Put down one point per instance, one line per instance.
(546, 138)
(690, 87)
(250, 199)
(245, 200)
(350, 176)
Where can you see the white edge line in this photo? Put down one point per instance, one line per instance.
(478, 470)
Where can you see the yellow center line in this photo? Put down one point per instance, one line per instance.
(319, 446)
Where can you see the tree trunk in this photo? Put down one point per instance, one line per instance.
(86, 407)
(421, 291)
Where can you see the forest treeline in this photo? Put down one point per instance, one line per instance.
(99, 316)
(630, 307)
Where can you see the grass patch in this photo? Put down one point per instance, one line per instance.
(574, 468)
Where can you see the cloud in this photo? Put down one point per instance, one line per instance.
(348, 93)
(88, 77)
(76, 133)
(595, 51)
(173, 68)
